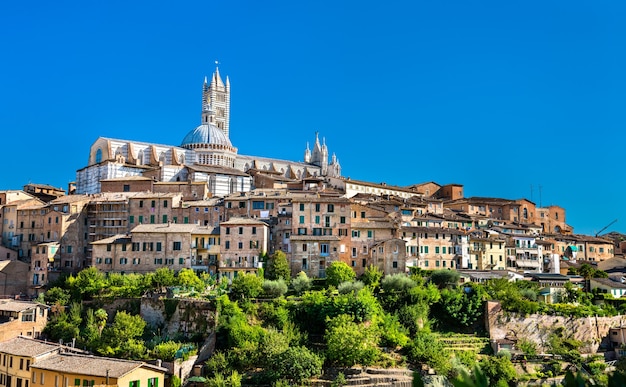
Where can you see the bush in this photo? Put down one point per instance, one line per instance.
(297, 364)
(301, 283)
(274, 288)
(166, 351)
(350, 287)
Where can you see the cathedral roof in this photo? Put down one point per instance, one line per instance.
(206, 134)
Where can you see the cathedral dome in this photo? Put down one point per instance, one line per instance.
(206, 134)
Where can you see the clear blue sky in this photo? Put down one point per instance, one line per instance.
(503, 97)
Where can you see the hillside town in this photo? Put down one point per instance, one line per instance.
(139, 207)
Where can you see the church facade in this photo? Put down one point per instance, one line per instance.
(205, 154)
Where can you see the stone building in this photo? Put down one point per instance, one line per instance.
(22, 318)
(153, 208)
(205, 155)
(147, 248)
(320, 233)
(243, 241)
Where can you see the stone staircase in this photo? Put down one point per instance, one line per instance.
(368, 377)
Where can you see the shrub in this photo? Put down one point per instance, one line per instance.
(350, 287)
(274, 288)
(301, 283)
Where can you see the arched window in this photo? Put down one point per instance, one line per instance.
(99, 156)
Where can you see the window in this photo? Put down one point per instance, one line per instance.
(181, 261)
(301, 206)
(141, 204)
(240, 230)
(258, 205)
(242, 204)
(436, 249)
(151, 219)
(354, 252)
(108, 247)
(356, 233)
(370, 234)
(317, 207)
(317, 219)
(153, 382)
(123, 261)
(240, 245)
(362, 214)
(227, 245)
(108, 261)
(133, 383)
(301, 219)
(140, 219)
(164, 219)
(253, 230)
(331, 208)
(158, 261)
(227, 230)
(176, 246)
(136, 261)
(158, 246)
(304, 246)
(342, 219)
(131, 219)
(324, 249)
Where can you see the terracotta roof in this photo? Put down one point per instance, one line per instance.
(18, 306)
(22, 346)
(90, 365)
(243, 221)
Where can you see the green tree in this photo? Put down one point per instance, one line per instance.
(339, 272)
(460, 307)
(122, 337)
(278, 267)
(60, 327)
(349, 343)
(301, 283)
(371, 276)
(163, 277)
(246, 286)
(273, 288)
(166, 351)
(445, 278)
(426, 349)
(498, 369)
(88, 283)
(297, 364)
(57, 296)
(190, 280)
(350, 287)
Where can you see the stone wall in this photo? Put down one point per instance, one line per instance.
(174, 315)
(592, 331)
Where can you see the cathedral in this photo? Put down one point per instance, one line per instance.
(205, 154)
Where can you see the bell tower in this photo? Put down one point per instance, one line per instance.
(216, 94)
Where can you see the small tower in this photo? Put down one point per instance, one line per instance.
(307, 153)
(324, 161)
(316, 156)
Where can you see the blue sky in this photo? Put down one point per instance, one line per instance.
(510, 99)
